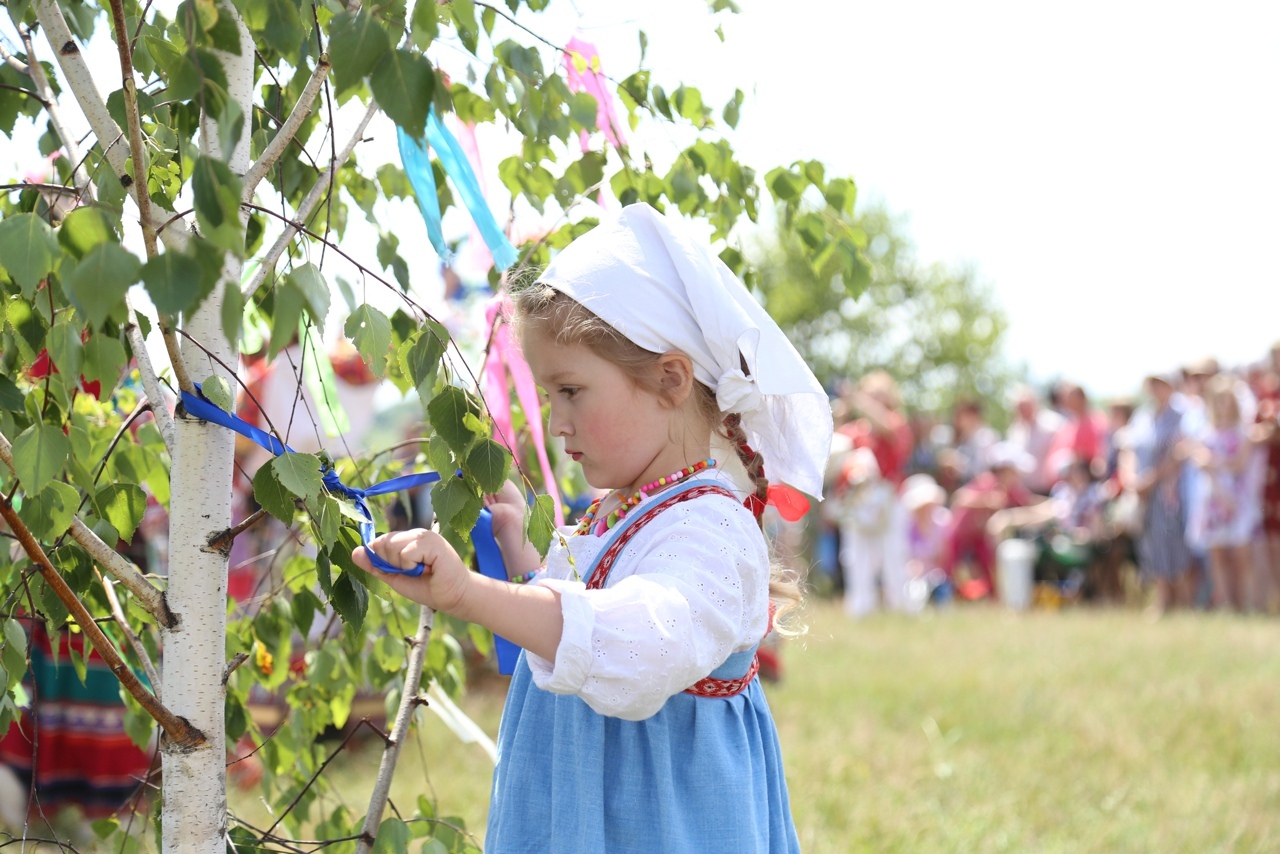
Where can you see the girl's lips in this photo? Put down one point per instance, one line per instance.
(576, 455)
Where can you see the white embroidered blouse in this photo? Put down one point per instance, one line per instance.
(688, 591)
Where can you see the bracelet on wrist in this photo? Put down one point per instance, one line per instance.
(524, 579)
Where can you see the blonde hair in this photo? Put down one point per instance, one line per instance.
(1223, 388)
(541, 307)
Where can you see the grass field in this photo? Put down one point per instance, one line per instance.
(975, 729)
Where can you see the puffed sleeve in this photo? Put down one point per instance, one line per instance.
(690, 590)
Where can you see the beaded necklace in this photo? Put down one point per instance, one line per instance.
(589, 517)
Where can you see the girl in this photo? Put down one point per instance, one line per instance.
(634, 721)
(1231, 511)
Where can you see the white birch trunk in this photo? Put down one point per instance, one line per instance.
(194, 815)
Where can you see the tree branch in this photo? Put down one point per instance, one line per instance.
(135, 642)
(307, 205)
(221, 542)
(150, 380)
(409, 700)
(148, 595)
(288, 130)
(137, 151)
(177, 729)
(36, 72)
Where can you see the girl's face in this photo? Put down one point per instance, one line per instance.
(620, 433)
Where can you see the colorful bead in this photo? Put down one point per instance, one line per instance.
(524, 579)
(585, 524)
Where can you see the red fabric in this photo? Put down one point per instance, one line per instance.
(967, 537)
(1269, 409)
(892, 450)
(1085, 438)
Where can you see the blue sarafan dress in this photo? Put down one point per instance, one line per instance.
(607, 756)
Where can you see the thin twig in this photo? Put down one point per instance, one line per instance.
(222, 541)
(288, 130)
(117, 612)
(179, 730)
(409, 700)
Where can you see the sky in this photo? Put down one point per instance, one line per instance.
(1109, 170)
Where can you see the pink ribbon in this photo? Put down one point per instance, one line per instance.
(582, 68)
(477, 249)
(505, 359)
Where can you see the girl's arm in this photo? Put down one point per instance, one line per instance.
(527, 615)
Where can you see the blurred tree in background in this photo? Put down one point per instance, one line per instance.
(935, 328)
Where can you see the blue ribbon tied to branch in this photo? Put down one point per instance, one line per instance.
(488, 555)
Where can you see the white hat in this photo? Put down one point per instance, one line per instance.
(919, 490)
(1008, 455)
(665, 289)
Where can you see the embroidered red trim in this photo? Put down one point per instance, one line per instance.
(601, 573)
(708, 687)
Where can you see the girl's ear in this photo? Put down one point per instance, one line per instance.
(675, 376)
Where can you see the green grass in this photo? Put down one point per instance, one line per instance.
(975, 729)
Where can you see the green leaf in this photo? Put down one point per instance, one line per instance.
(49, 512)
(447, 413)
(326, 516)
(370, 331)
(29, 250)
(98, 283)
(487, 463)
(392, 838)
(403, 85)
(172, 280)
(104, 359)
(542, 523)
(420, 359)
(273, 497)
(11, 396)
(122, 504)
(39, 454)
(311, 283)
(232, 312)
(733, 109)
(324, 573)
(217, 201)
(218, 392)
(350, 599)
(84, 228)
(65, 348)
(29, 328)
(298, 473)
(448, 497)
(14, 657)
(356, 44)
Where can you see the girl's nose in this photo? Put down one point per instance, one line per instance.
(558, 425)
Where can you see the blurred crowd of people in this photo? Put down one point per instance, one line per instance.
(1172, 498)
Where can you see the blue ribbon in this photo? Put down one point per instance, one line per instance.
(488, 555)
(417, 166)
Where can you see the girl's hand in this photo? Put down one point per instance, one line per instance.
(508, 507)
(444, 581)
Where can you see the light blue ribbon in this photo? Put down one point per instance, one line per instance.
(417, 166)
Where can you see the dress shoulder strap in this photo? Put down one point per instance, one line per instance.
(630, 525)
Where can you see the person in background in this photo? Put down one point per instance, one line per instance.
(1032, 431)
(927, 522)
(1267, 436)
(972, 441)
(873, 530)
(1156, 459)
(971, 538)
(869, 552)
(1081, 434)
(1229, 514)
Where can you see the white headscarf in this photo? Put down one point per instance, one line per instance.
(663, 288)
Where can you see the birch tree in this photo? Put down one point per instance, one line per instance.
(218, 180)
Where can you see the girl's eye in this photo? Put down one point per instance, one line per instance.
(569, 391)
